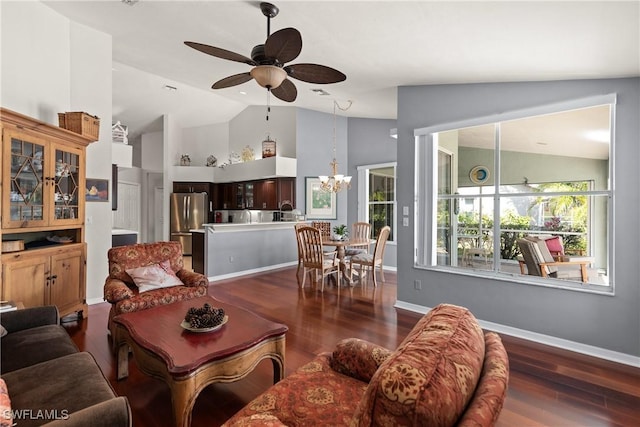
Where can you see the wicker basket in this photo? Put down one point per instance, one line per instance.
(82, 123)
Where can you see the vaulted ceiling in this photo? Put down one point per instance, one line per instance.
(379, 45)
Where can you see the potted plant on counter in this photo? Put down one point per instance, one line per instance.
(340, 232)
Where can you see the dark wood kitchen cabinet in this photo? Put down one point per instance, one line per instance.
(191, 187)
(225, 195)
(262, 194)
(286, 191)
(267, 194)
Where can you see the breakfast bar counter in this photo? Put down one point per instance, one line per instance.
(232, 249)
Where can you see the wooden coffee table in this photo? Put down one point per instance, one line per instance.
(189, 361)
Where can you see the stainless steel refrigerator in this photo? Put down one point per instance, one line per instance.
(188, 211)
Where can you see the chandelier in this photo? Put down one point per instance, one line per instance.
(335, 182)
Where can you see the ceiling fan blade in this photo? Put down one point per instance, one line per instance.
(286, 91)
(220, 53)
(314, 73)
(284, 45)
(236, 79)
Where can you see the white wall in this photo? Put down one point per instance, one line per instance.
(172, 146)
(51, 65)
(251, 128)
(203, 141)
(36, 65)
(152, 152)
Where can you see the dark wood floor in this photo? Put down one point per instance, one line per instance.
(547, 387)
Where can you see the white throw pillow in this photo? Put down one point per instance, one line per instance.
(154, 276)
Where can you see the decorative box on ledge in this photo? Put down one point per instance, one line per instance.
(82, 123)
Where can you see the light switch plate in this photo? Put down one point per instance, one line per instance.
(405, 210)
(405, 221)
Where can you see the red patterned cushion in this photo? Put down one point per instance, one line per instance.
(6, 417)
(262, 420)
(358, 358)
(314, 395)
(432, 375)
(158, 297)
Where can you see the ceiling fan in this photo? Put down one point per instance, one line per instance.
(268, 61)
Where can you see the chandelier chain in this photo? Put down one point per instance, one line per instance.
(335, 182)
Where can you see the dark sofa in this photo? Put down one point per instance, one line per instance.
(48, 380)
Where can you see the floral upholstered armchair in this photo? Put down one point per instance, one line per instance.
(446, 372)
(147, 275)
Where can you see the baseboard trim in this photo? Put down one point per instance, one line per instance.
(94, 301)
(251, 271)
(602, 353)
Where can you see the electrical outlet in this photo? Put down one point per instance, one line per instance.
(231, 259)
(417, 284)
(89, 220)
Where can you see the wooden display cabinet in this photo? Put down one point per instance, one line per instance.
(44, 180)
(43, 203)
(48, 276)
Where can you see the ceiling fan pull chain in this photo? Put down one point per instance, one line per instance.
(268, 102)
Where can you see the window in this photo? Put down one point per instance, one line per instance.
(542, 176)
(377, 196)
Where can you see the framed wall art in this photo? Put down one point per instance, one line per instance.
(97, 190)
(319, 204)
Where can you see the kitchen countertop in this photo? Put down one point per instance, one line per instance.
(118, 231)
(253, 226)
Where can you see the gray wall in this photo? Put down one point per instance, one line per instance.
(370, 143)
(609, 322)
(314, 151)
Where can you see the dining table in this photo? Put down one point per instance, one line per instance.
(340, 246)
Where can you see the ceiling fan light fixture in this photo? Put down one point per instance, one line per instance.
(268, 76)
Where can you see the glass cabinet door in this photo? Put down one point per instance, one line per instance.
(248, 195)
(27, 177)
(66, 185)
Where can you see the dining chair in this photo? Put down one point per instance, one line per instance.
(359, 231)
(372, 260)
(325, 233)
(297, 227)
(314, 257)
(324, 227)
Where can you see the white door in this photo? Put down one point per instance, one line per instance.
(128, 214)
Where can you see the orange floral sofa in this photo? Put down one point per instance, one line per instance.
(446, 372)
(121, 291)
